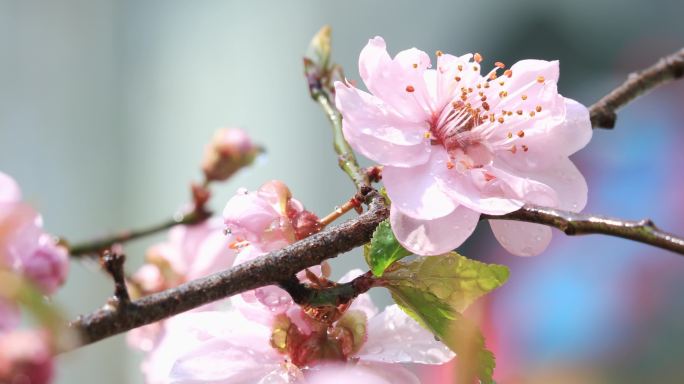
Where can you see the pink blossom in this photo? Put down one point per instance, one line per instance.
(226, 347)
(263, 221)
(455, 143)
(25, 357)
(48, 265)
(270, 216)
(24, 247)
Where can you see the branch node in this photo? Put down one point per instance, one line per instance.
(113, 263)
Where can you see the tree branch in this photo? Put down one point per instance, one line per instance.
(643, 231)
(113, 263)
(269, 269)
(334, 295)
(94, 247)
(666, 69)
(346, 158)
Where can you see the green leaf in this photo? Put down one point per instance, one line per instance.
(452, 278)
(436, 290)
(384, 249)
(452, 328)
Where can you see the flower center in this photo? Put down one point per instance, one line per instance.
(337, 341)
(454, 129)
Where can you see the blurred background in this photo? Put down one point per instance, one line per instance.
(105, 107)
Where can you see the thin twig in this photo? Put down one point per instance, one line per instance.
(266, 270)
(643, 231)
(94, 247)
(346, 158)
(352, 203)
(113, 263)
(666, 69)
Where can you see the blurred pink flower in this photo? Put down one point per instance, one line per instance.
(226, 347)
(455, 144)
(194, 251)
(9, 315)
(25, 357)
(190, 252)
(24, 247)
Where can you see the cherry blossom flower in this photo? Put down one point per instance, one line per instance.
(24, 247)
(255, 223)
(226, 347)
(456, 143)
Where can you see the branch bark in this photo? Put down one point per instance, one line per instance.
(337, 294)
(603, 112)
(643, 231)
(270, 269)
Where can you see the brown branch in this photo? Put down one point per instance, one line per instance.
(266, 270)
(113, 263)
(666, 69)
(94, 247)
(643, 231)
(335, 294)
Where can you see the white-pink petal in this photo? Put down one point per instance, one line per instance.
(530, 71)
(9, 190)
(194, 341)
(520, 238)
(220, 361)
(551, 140)
(376, 132)
(464, 189)
(434, 236)
(359, 373)
(389, 78)
(416, 193)
(394, 337)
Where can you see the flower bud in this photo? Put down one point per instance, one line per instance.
(305, 224)
(229, 150)
(48, 265)
(319, 49)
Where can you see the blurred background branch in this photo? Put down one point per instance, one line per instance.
(669, 68)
